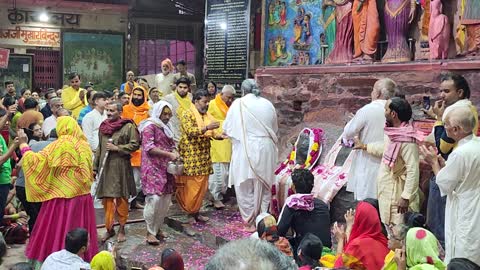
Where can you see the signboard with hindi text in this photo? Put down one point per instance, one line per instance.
(227, 24)
(30, 36)
(4, 55)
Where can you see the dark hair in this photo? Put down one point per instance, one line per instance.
(402, 108)
(89, 93)
(73, 75)
(462, 264)
(311, 247)
(171, 260)
(211, 82)
(458, 81)
(53, 134)
(8, 101)
(99, 95)
(29, 130)
(76, 239)
(21, 266)
(122, 93)
(302, 180)
(199, 94)
(24, 90)
(181, 62)
(30, 103)
(414, 219)
(8, 82)
(271, 231)
(3, 112)
(107, 93)
(49, 92)
(183, 80)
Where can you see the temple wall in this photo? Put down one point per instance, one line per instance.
(323, 96)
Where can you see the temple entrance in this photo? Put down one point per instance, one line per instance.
(46, 68)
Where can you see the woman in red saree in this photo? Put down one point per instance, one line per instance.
(367, 246)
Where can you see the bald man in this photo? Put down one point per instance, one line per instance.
(458, 179)
(130, 84)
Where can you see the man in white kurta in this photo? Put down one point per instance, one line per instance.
(251, 123)
(459, 181)
(367, 125)
(92, 120)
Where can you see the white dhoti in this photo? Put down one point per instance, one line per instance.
(252, 198)
(217, 182)
(155, 211)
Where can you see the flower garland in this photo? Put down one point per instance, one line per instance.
(316, 137)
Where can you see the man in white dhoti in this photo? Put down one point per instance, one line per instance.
(367, 125)
(251, 123)
(458, 179)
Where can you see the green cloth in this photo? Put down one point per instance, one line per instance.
(422, 250)
(6, 167)
(330, 27)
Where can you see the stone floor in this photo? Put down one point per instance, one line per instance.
(223, 226)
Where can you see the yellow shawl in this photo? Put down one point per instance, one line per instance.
(185, 102)
(203, 120)
(221, 150)
(63, 169)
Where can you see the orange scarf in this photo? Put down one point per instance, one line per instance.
(203, 120)
(127, 88)
(221, 105)
(137, 113)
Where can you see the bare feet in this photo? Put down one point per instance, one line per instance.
(218, 205)
(121, 234)
(162, 234)
(152, 240)
(189, 231)
(107, 235)
(251, 229)
(200, 218)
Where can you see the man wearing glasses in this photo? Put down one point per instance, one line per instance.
(73, 97)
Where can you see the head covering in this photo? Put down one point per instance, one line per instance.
(63, 169)
(250, 86)
(109, 126)
(422, 250)
(462, 264)
(104, 260)
(172, 260)
(169, 63)
(154, 119)
(366, 232)
(267, 230)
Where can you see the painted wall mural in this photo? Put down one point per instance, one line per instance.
(295, 32)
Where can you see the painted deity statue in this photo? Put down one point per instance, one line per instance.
(439, 33)
(329, 24)
(470, 18)
(343, 46)
(399, 14)
(298, 24)
(423, 50)
(283, 14)
(306, 29)
(366, 29)
(271, 11)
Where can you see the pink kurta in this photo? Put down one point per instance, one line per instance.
(155, 179)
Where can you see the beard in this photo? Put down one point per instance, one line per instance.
(137, 101)
(388, 123)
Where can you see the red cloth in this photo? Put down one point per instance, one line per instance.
(56, 218)
(367, 242)
(108, 127)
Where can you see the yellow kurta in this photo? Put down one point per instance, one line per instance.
(72, 102)
(401, 181)
(221, 150)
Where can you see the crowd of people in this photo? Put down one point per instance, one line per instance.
(142, 147)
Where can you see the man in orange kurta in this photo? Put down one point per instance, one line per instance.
(366, 28)
(137, 110)
(130, 84)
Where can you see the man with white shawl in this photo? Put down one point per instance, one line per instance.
(251, 123)
(157, 184)
(457, 178)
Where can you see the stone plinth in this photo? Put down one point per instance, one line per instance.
(323, 96)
